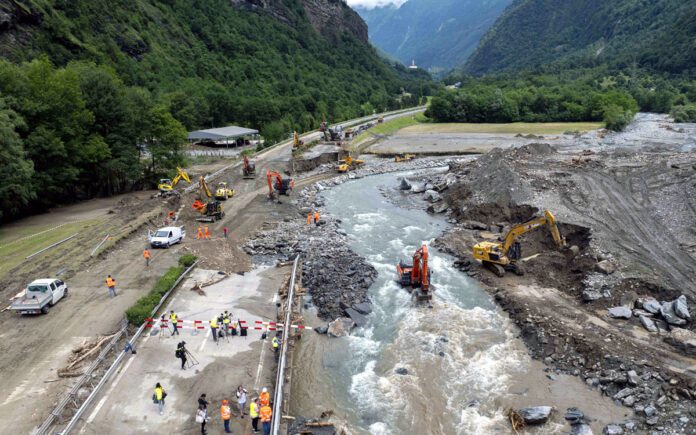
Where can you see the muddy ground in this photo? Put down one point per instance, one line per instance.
(630, 214)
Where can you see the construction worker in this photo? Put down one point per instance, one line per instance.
(146, 256)
(200, 232)
(276, 345)
(207, 232)
(173, 317)
(224, 232)
(226, 321)
(264, 397)
(254, 414)
(309, 218)
(171, 215)
(213, 328)
(158, 397)
(111, 285)
(266, 414)
(316, 218)
(226, 413)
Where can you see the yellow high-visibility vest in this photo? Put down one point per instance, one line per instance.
(213, 323)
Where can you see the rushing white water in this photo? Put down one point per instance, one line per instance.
(461, 355)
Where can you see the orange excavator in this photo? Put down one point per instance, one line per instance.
(249, 169)
(416, 276)
(276, 183)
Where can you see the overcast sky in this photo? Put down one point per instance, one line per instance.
(374, 3)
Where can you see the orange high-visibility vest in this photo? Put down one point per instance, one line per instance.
(309, 218)
(316, 215)
(266, 413)
(225, 412)
(110, 282)
(146, 253)
(265, 399)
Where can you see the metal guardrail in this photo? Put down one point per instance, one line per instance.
(72, 394)
(280, 378)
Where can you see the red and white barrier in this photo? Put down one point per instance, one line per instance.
(201, 324)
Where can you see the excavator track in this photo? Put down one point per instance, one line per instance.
(495, 268)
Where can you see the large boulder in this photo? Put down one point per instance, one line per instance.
(405, 184)
(620, 313)
(606, 267)
(535, 414)
(667, 312)
(683, 339)
(340, 327)
(613, 429)
(359, 319)
(363, 307)
(581, 429)
(648, 323)
(591, 295)
(475, 225)
(681, 309)
(432, 196)
(651, 305)
(418, 188)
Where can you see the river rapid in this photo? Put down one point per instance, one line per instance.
(464, 364)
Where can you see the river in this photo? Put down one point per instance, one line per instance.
(465, 365)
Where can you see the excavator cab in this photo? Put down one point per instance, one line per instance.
(415, 277)
(223, 192)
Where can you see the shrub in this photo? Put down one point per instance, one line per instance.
(684, 113)
(616, 117)
(142, 309)
(187, 260)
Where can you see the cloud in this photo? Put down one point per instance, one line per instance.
(371, 4)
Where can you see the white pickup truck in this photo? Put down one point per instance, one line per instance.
(39, 296)
(166, 237)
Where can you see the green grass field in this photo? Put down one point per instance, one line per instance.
(512, 128)
(392, 126)
(15, 244)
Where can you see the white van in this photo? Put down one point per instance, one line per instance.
(166, 237)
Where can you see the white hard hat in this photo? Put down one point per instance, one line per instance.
(264, 390)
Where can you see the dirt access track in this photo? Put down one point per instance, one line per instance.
(630, 214)
(33, 348)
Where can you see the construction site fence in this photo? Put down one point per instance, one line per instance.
(71, 397)
(282, 360)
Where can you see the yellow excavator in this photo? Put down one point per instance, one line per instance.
(296, 142)
(348, 164)
(167, 185)
(223, 192)
(404, 158)
(501, 256)
(211, 210)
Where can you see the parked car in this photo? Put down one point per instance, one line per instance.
(39, 296)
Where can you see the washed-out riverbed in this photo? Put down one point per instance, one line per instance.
(464, 365)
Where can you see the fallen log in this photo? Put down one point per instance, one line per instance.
(90, 352)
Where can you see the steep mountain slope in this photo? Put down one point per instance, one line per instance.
(657, 34)
(245, 61)
(437, 34)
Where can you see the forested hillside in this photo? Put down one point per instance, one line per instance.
(96, 95)
(438, 34)
(656, 34)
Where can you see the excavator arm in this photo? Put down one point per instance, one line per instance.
(180, 174)
(517, 230)
(420, 273)
(204, 187)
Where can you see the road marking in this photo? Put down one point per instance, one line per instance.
(263, 352)
(207, 334)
